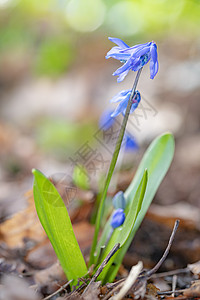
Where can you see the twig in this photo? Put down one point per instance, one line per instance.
(171, 273)
(170, 292)
(174, 282)
(78, 290)
(129, 282)
(151, 273)
(114, 290)
(157, 266)
(114, 284)
(59, 290)
(102, 266)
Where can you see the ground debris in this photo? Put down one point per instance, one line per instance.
(193, 291)
(93, 291)
(195, 268)
(15, 288)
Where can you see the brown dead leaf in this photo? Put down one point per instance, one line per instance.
(41, 256)
(194, 268)
(152, 291)
(186, 213)
(123, 272)
(84, 233)
(23, 225)
(93, 291)
(193, 291)
(53, 273)
(74, 296)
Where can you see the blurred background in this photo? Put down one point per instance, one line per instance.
(55, 83)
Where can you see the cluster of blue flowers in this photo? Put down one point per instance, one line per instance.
(133, 58)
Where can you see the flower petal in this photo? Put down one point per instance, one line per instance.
(136, 47)
(141, 52)
(119, 42)
(115, 53)
(119, 200)
(153, 68)
(122, 76)
(120, 96)
(153, 50)
(121, 106)
(131, 144)
(122, 68)
(106, 121)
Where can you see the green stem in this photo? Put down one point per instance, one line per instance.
(111, 169)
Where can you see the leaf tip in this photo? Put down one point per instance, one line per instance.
(146, 173)
(33, 171)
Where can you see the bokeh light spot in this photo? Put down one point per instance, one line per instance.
(85, 15)
(125, 18)
(5, 3)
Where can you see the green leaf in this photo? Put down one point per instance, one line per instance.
(122, 233)
(156, 160)
(133, 211)
(56, 222)
(80, 177)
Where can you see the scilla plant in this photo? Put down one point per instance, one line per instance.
(131, 206)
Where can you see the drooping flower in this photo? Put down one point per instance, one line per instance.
(118, 218)
(131, 144)
(106, 121)
(123, 98)
(134, 58)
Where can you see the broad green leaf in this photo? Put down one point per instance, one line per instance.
(56, 222)
(156, 160)
(122, 233)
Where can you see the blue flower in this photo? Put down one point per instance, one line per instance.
(134, 58)
(131, 144)
(123, 97)
(106, 121)
(118, 218)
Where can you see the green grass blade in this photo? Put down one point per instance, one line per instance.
(157, 160)
(56, 222)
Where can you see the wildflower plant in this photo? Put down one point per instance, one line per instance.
(129, 207)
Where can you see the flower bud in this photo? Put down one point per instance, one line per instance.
(118, 218)
(119, 200)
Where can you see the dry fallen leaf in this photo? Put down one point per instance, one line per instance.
(186, 213)
(152, 291)
(23, 225)
(93, 291)
(193, 291)
(194, 268)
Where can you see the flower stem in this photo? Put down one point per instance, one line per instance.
(111, 169)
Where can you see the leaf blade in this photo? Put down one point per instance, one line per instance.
(56, 222)
(122, 233)
(157, 160)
